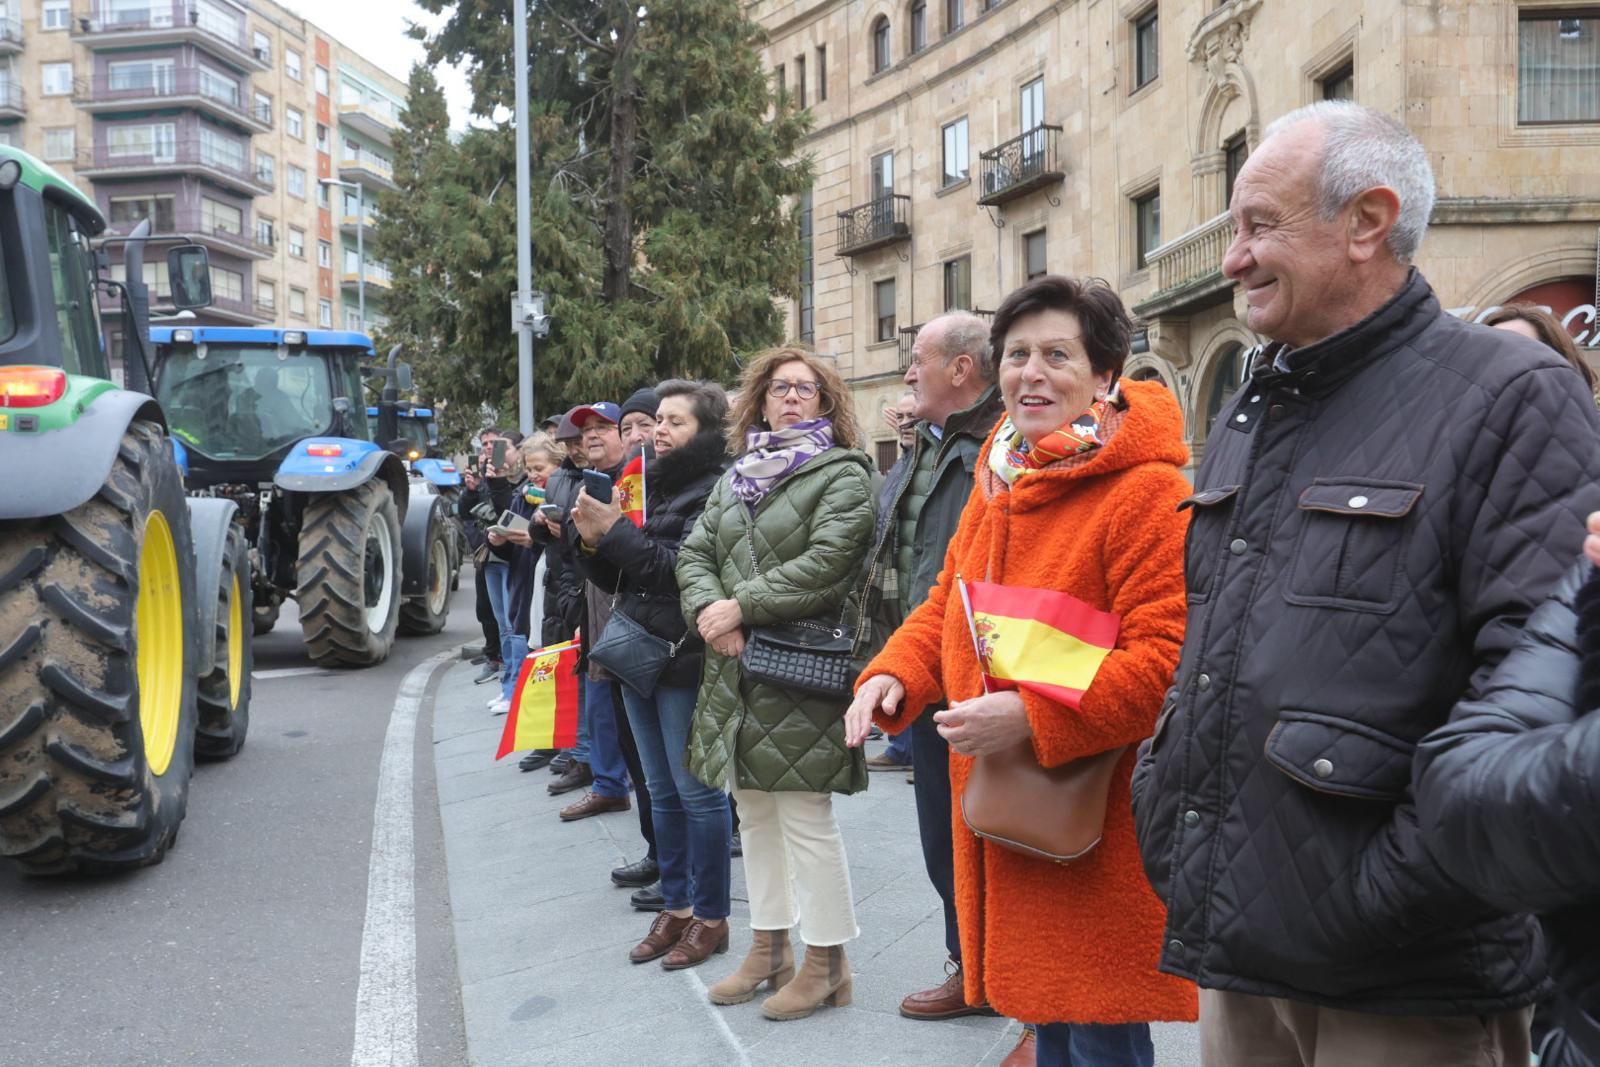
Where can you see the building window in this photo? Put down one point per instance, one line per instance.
(264, 233)
(266, 294)
(1558, 57)
(954, 15)
(297, 303)
(781, 74)
(154, 141)
(324, 138)
(1234, 153)
(263, 107)
(262, 45)
(1340, 84)
(800, 80)
(822, 73)
(958, 284)
(919, 25)
(808, 293)
(60, 144)
(266, 168)
(217, 217)
(325, 314)
(9, 138)
(157, 77)
(56, 78)
(291, 63)
(294, 123)
(226, 284)
(155, 277)
(1147, 226)
(1146, 49)
(1033, 254)
(352, 320)
(319, 80)
(956, 155)
(882, 176)
(297, 242)
(880, 45)
(1224, 383)
(55, 15)
(295, 178)
(883, 309)
(887, 453)
(132, 210)
(325, 254)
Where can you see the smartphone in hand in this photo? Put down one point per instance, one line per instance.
(499, 452)
(597, 485)
(551, 512)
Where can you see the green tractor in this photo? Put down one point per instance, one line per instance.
(124, 605)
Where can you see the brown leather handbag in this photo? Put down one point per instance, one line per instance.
(1052, 813)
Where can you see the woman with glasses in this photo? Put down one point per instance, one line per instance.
(781, 541)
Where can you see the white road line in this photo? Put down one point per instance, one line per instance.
(716, 1017)
(290, 672)
(386, 999)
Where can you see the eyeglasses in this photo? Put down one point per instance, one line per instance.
(778, 387)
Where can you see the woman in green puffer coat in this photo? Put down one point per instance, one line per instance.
(782, 539)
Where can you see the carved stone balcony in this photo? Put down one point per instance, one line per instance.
(877, 224)
(1020, 166)
(1188, 270)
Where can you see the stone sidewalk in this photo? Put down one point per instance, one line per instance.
(542, 935)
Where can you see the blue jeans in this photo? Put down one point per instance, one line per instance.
(1094, 1045)
(519, 652)
(496, 573)
(931, 759)
(692, 822)
(605, 748)
(580, 751)
(899, 747)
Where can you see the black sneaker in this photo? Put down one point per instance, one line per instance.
(560, 763)
(478, 660)
(735, 846)
(534, 760)
(649, 898)
(636, 874)
(491, 669)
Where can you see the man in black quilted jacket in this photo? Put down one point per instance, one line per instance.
(1379, 508)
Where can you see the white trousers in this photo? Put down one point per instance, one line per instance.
(793, 852)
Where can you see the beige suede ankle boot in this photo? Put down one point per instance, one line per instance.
(823, 978)
(771, 958)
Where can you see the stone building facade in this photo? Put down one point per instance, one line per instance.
(961, 146)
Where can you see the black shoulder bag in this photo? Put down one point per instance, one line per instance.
(811, 655)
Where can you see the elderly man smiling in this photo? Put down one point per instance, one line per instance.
(1379, 508)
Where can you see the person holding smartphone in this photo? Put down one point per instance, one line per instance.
(474, 496)
(523, 550)
(501, 464)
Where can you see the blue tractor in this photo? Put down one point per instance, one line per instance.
(276, 421)
(432, 473)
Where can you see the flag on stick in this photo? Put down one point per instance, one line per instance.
(631, 490)
(1036, 639)
(544, 705)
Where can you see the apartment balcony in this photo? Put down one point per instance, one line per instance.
(349, 222)
(878, 224)
(183, 87)
(10, 36)
(241, 311)
(228, 170)
(378, 279)
(373, 117)
(13, 102)
(368, 168)
(171, 23)
(1020, 166)
(1188, 270)
(191, 225)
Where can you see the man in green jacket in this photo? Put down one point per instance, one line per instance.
(957, 406)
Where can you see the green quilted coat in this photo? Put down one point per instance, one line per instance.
(811, 534)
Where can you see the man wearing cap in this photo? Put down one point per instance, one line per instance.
(638, 421)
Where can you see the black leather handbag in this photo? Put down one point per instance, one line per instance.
(631, 654)
(810, 655)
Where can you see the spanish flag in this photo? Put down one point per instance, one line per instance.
(631, 490)
(1037, 639)
(544, 707)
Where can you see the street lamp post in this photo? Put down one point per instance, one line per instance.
(361, 248)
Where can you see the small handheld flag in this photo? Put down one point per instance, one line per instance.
(1037, 639)
(544, 706)
(631, 490)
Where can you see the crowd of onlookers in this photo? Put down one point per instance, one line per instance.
(1351, 788)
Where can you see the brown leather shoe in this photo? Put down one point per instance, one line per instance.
(700, 941)
(574, 777)
(945, 1001)
(885, 762)
(1023, 1054)
(664, 934)
(593, 804)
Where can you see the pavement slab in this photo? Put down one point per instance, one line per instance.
(542, 935)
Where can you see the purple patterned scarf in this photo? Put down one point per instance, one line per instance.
(772, 455)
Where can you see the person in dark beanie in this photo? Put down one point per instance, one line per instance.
(638, 425)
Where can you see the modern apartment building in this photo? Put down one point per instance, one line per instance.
(219, 120)
(963, 146)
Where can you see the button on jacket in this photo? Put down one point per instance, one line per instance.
(1372, 525)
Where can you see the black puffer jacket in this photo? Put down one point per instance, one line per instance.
(1372, 528)
(1509, 795)
(638, 563)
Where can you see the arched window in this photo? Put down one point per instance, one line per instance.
(919, 25)
(880, 44)
(1148, 374)
(1224, 382)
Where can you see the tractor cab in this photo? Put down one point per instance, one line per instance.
(420, 433)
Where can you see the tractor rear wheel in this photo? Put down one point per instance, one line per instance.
(97, 665)
(428, 613)
(349, 574)
(224, 693)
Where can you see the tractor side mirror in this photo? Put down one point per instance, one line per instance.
(433, 435)
(189, 273)
(402, 377)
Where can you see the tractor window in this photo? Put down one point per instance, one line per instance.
(8, 319)
(246, 401)
(415, 432)
(352, 387)
(72, 279)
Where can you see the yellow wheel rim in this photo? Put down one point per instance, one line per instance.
(235, 644)
(158, 626)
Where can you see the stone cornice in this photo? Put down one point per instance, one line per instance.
(1508, 210)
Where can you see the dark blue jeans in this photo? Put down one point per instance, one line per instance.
(692, 824)
(605, 747)
(930, 758)
(1094, 1045)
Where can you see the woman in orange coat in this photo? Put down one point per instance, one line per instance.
(1077, 493)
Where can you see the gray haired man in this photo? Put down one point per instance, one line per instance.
(1380, 506)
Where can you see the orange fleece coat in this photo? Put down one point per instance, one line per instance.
(1040, 941)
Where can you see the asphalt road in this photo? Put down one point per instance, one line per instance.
(243, 948)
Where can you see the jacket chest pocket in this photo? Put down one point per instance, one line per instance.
(1352, 538)
(1209, 511)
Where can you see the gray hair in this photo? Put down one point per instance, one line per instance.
(964, 332)
(1364, 149)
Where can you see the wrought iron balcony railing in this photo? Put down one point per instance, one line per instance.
(225, 97)
(1020, 166)
(876, 224)
(908, 337)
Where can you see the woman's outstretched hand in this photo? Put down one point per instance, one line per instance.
(881, 692)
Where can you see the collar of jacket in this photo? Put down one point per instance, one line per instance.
(1319, 369)
(705, 453)
(976, 421)
(836, 454)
